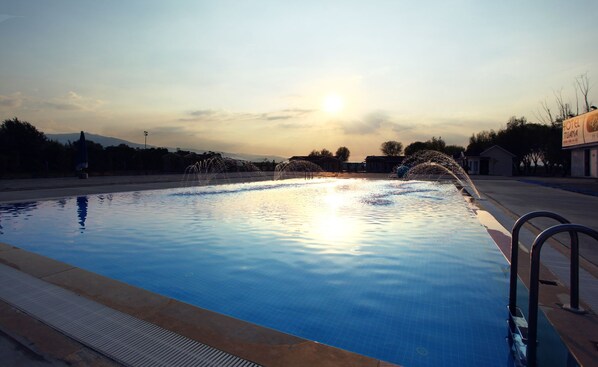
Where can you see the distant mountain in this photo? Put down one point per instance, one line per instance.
(107, 141)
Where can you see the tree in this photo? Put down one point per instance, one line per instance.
(583, 84)
(480, 142)
(415, 147)
(342, 154)
(433, 144)
(326, 153)
(21, 147)
(531, 143)
(320, 153)
(391, 148)
(564, 109)
(453, 150)
(436, 144)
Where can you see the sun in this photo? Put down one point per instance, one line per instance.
(333, 103)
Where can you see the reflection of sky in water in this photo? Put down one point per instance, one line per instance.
(376, 267)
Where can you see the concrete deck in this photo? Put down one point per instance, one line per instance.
(504, 199)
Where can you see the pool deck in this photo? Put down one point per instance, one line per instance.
(26, 341)
(505, 200)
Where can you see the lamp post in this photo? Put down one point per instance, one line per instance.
(145, 141)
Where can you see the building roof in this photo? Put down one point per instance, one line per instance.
(384, 158)
(494, 147)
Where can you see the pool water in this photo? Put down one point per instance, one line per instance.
(400, 271)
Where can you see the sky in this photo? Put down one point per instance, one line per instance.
(286, 77)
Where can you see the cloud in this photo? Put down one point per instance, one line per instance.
(5, 17)
(203, 113)
(224, 116)
(14, 100)
(399, 127)
(60, 106)
(299, 111)
(369, 124)
(73, 102)
(287, 114)
(277, 117)
(453, 130)
(209, 115)
(169, 130)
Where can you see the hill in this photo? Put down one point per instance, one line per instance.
(105, 141)
(108, 141)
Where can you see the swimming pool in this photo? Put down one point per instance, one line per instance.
(400, 271)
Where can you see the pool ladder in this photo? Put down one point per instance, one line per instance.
(520, 331)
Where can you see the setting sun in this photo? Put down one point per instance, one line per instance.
(333, 103)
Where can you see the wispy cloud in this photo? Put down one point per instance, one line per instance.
(287, 114)
(72, 101)
(209, 115)
(5, 17)
(369, 124)
(203, 113)
(14, 100)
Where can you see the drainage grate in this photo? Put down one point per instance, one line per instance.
(122, 337)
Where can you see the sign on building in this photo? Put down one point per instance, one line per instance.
(580, 130)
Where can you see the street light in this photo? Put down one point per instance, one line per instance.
(145, 142)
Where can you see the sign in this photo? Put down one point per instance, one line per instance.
(591, 131)
(582, 129)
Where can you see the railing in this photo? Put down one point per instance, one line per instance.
(574, 272)
(524, 335)
(535, 279)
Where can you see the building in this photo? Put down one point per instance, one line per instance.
(580, 136)
(353, 166)
(495, 161)
(328, 164)
(382, 163)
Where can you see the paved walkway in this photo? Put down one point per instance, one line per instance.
(519, 196)
(508, 199)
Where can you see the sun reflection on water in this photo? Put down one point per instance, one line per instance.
(333, 227)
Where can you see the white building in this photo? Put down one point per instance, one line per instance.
(580, 136)
(495, 161)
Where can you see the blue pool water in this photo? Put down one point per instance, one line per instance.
(400, 271)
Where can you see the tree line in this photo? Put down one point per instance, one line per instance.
(534, 144)
(395, 148)
(342, 153)
(27, 152)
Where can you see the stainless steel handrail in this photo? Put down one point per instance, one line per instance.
(535, 278)
(515, 257)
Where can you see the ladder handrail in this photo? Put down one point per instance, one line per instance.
(535, 279)
(515, 257)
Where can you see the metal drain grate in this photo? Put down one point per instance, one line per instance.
(122, 337)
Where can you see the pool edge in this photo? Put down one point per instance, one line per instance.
(577, 332)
